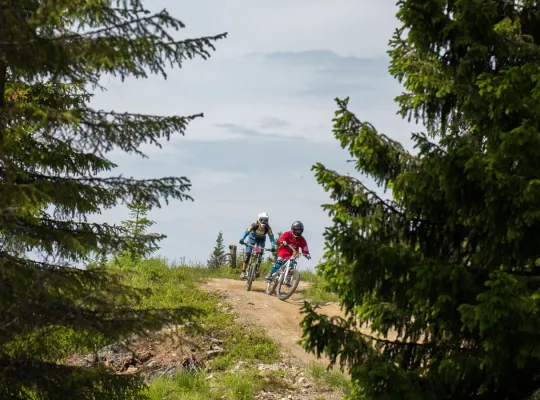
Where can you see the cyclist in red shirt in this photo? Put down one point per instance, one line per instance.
(294, 239)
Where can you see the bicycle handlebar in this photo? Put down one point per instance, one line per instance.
(296, 251)
(288, 245)
(298, 255)
(262, 248)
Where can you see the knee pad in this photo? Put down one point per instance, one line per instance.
(247, 257)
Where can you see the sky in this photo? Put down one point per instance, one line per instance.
(267, 94)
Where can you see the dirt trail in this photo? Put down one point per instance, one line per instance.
(279, 319)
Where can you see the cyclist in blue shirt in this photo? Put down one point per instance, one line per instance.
(256, 234)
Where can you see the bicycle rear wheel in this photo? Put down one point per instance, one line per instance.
(288, 282)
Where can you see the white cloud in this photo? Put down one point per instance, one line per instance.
(267, 95)
(350, 27)
(297, 87)
(211, 178)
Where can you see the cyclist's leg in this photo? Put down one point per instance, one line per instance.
(279, 263)
(261, 243)
(292, 265)
(247, 257)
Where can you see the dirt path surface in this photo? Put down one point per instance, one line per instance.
(279, 319)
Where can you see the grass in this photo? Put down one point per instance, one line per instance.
(318, 292)
(251, 346)
(308, 276)
(182, 385)
(179, 286)
(332, 379)
(242, 385)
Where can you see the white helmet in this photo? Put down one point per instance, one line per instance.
(262, 219)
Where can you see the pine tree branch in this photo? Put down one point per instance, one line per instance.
(426, 145)
(65, 238)
(352, 345)
(162, 16)
(63, 382)
(131, 58)
(118, 181)
(93, 194)
(46, 306)
(87, 128)
(42, 297)
(376, 154)
(346, 187)
(127, 131)
(61, 269)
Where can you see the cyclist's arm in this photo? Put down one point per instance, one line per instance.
(283, 238)
(271, 236)
(304, 246)
(247, 231)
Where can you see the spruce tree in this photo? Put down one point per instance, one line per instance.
(218, 257)
(136, 227)
(53, 162)
(451, 264)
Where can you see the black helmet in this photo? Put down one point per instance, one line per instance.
(297, 226)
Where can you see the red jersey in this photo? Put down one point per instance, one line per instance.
(295, 242)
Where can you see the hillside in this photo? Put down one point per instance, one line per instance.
(242, 348)
(279, 319)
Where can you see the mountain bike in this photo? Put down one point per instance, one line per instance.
(254, 263)
(288, 277)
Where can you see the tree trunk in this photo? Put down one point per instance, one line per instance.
(232, 255)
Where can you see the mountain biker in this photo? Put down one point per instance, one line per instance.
(257, 232)
(293, 238)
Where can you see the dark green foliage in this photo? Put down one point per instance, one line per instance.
(218, 258)
(53, 169)
(452, 263)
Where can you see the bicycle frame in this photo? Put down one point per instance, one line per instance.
(294, 258)
(254, 263)
(284, 269)
(281, 275)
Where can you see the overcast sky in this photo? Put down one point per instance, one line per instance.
(267, 95)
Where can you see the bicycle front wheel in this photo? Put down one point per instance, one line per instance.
(287, 284)
(271, 286)
(250, 277)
